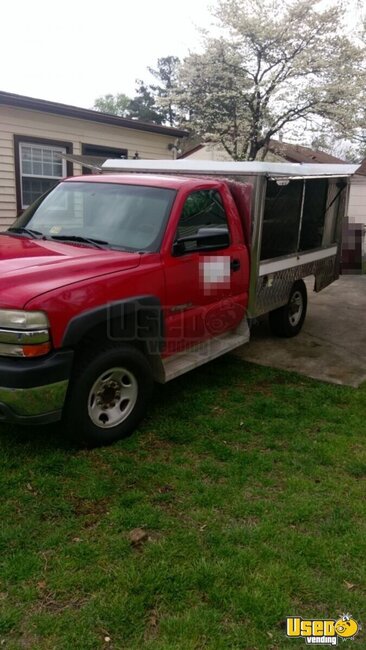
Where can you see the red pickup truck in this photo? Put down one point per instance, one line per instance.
(106, 282)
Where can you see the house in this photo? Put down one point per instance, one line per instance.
(35, 133)
(354, 235)
(277, 151)
(357, 199)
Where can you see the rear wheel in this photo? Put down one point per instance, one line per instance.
(108, 394)
(288, 320)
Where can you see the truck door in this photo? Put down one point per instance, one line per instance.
(206, 288)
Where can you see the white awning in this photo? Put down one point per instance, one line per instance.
(208, 167)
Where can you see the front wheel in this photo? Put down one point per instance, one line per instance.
(288, 320)
(108, 394)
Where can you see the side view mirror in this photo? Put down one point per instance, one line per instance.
(205, 238)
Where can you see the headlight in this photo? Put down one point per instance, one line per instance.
(23, 320)
(24, 333)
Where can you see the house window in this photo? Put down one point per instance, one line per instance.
(101, 154)
(41, 167)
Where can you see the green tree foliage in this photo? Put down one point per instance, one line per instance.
(273, 64)
(114, 104)
(166, 75)
(152, 102)
(358, 136)
(143, 105)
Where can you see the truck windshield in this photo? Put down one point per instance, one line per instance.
(128, 217)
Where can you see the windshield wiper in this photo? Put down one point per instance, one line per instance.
(35, 234)
(97, 243)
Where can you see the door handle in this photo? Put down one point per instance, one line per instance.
(235, 265)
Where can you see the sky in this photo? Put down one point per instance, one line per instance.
(74, 51)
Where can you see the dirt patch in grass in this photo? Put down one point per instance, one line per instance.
(48, 602)
(152, 625)
(90, 511)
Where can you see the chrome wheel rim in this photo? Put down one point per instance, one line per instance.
(296, 308)
(112, 397)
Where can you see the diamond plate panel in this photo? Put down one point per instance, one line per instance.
(273, 290)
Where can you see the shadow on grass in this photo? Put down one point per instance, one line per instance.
(191, 390)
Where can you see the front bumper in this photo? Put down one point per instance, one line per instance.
(33, 391)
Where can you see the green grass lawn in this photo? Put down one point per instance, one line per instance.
(250, 483)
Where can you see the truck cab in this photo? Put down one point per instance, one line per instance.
(106, 281)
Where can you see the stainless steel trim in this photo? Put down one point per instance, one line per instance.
(23, 337)
(309, 177)
(259, 195)
(37, 400)
(301, 215)
(297, 259)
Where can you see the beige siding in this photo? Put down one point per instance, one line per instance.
(17, 121)
(210, 152)
(357, 200)
(7, 179)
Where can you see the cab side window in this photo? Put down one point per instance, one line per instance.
(202, 209)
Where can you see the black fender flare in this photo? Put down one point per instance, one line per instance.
(138, 318)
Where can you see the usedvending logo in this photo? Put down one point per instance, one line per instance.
(322, 631)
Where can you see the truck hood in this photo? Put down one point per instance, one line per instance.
(30, 267)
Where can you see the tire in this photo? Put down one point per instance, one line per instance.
(108, 394)
(286, 322)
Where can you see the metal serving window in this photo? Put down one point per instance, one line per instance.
(281, 219)
(313, 214)
(294, 216)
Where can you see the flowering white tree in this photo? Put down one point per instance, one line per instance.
(273, 63)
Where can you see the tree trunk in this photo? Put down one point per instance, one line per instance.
(253, 150)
